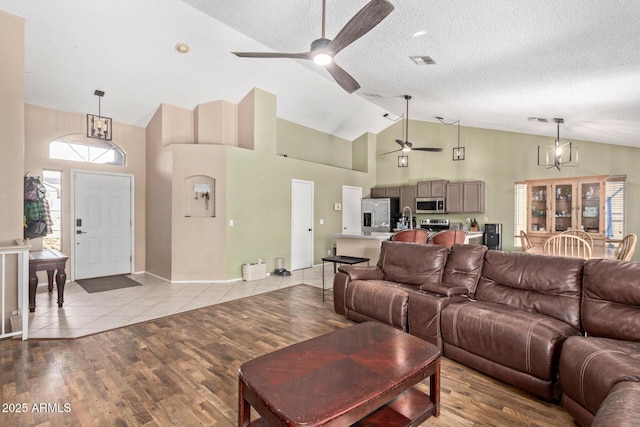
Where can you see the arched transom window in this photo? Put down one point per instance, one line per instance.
(78, 147)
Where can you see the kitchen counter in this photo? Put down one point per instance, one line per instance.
(367, 245)
(361, 235)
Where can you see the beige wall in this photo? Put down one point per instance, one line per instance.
(500, 159)
(11, 148)
(158, 198)
(44, 125)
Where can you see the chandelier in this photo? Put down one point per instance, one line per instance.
(557, 155)
(98, 126)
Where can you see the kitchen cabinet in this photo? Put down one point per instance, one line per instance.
(465, 197)
(558, 205)
(408, 197)
(432, 188)
(381, 192)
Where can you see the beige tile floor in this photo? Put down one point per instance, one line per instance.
(84, 313)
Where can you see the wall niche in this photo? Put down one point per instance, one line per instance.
(200, 196)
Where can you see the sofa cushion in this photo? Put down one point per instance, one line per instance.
(540, 284)
(611, 299)
(524, 341)
(412, 263)
(590, 366)
(379, 300)
(621, 408)
(464, 266)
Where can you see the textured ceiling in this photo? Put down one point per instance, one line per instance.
(498, 61)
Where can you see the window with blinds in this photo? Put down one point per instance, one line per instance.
(616, 207)
(519, 212)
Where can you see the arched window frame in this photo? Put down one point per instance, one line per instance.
(78, 147)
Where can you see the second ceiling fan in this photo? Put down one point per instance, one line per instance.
(406, 145)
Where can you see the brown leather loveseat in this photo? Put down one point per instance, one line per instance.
(518, 317)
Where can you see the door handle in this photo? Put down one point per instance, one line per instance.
(310, 229)
(80, 232)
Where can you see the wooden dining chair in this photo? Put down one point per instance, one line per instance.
(626, 248)
(567, 245)
(524, 241)
(582, 234)
(416, 235)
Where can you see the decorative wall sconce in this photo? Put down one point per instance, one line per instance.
(98, 126)
(458, 152)
(557, 155)
(403, 161)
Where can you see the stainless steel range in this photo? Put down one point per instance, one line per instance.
(434, 224)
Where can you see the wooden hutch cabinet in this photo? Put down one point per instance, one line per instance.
(557, 205)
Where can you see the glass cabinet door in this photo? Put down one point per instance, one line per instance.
(591, 207)
(563, 207)
(538, 218)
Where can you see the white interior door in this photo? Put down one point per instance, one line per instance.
(102, 224)
(351, 207)
(301, 224)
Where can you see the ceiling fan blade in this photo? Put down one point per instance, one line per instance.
(389, 152)
(343, 78)
(435, 150)
(361, 23)
(302, 55)
(400, 142)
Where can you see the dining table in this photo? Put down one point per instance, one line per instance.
(597, 251)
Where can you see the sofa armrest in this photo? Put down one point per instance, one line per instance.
(362, 273)
(445, 289)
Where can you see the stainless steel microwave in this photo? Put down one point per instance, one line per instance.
(430, 205)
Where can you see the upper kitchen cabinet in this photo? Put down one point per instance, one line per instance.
(465, 197)
(408, 197)
(381, 192)
(432, 188)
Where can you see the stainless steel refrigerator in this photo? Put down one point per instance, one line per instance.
(378, 214)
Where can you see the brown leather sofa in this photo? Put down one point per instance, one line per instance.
(600, 372)
(518, 317)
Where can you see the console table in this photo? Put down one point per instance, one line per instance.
(49, 260)
(340, 259)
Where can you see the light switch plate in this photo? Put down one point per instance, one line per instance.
(337, 206)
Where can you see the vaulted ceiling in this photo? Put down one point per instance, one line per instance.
(497, 62)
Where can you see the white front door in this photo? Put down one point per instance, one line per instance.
(301, 224)
(102, 224)
(351, 207)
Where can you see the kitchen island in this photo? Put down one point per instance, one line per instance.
(363, 245)
(367, 245)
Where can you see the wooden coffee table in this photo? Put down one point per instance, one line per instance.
(358, 375)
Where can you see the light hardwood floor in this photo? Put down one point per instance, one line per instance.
(181, 370)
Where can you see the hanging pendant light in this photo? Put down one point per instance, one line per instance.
(558, 154)
(98, 126)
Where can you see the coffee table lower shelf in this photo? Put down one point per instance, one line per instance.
(409, 409)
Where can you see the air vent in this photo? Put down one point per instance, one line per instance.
(423, 60)
(538, 119)
(373, 95)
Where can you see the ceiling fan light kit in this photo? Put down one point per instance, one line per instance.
(323, 50)
(557, 155)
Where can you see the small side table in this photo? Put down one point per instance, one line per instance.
(49, 260)
(340, 259)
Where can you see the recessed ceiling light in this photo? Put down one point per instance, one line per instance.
(183, 47)
(423, 60)
(419, 33)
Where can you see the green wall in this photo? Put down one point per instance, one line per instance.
(500, 159)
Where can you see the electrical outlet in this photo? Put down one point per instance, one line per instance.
(328, 251)
(486, 218)
(321, 221)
